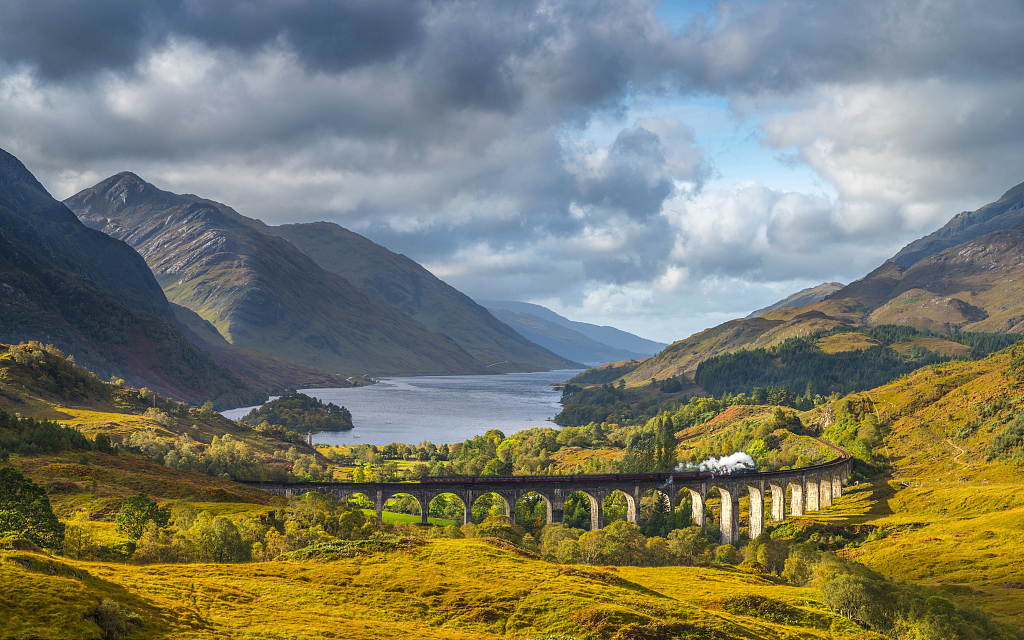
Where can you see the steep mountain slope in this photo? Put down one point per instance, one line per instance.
(408, 286)
(259, 370)
(801, 298)
(94, 297)
(258, 290)
(610, 336)
(559, 339)
(1004, 213)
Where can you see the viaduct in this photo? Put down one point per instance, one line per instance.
(811, 488)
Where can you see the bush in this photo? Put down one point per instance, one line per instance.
(116, 622)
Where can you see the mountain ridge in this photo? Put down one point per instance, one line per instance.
(93, 296)
(560, 339)
(258, 289)
(412, 289)
(606, 335)
(801, 298)
(970, 286)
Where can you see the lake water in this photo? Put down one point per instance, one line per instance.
(441, 409)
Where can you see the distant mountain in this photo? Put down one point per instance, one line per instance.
(610, 336)
(801, 298)
(94, 297)
(960, 278)
(258, 290)
(564, 341)
(412, 289)
(1004, 213)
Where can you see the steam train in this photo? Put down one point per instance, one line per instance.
(664, 476)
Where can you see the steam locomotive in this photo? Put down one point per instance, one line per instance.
(664, 476)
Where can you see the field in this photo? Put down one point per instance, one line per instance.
(442, 589)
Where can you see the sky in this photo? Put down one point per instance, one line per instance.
(659, 167)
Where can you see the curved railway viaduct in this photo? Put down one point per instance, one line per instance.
(810, 489)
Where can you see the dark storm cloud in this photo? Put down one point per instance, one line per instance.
(63, 38)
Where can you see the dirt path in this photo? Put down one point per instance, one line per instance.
(956, 458)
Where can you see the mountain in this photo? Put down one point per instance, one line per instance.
(406, 285)
(94, 297)
(609, 336)
(258, 290)
(973, 285)
(801, 298)
(566, 342)
(1004, 213)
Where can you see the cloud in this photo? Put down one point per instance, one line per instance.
(502, 144)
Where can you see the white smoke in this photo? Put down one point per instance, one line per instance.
(725, 464)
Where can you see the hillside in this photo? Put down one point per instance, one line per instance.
(405, 284)
(801, 298)
(258, 290)
(94, 297)
(258, 370)
(562, 340)
(951, 512)
(970, 286)
(634, 345)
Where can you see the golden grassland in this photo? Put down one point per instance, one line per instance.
(842, 342)
(442, 589)
(953, 517)
(938, 345)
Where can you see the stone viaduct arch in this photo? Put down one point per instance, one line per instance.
(811, 488)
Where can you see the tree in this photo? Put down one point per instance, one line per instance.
(502, 527)
(687, 544)
(623, 543)
(592, 546)
(726, 554)
(25, 511)
(216, 539)
(136, 512)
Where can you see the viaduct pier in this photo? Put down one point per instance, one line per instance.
(810, 488)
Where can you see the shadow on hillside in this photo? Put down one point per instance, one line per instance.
(878, 494)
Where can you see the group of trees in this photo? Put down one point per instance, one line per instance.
(311, 519)
(229, 458)
(28, 436)
(299, 412)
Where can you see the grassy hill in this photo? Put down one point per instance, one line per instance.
(952, 509)
(258, 290)
(946, 514)
(405, 284)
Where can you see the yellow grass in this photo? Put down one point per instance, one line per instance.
(842, 342)
(444, 589)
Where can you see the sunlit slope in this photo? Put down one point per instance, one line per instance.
(440, 589)
(49, 388)
(259, 290)
(952, 515)
(749, 333)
